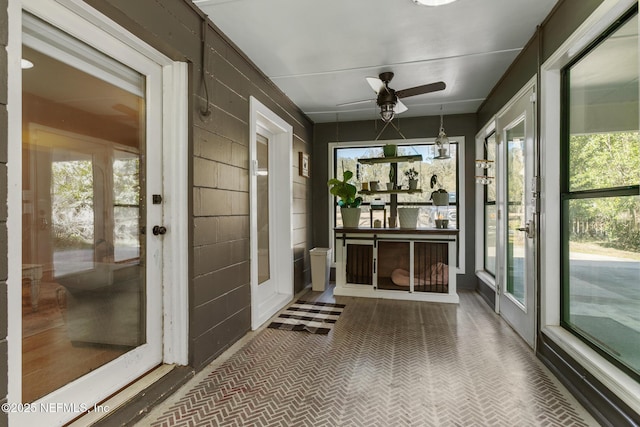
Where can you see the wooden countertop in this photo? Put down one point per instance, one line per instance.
(420, 231)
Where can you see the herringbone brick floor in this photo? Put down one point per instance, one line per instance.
(386, 363)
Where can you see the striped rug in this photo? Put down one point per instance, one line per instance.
(313, 317)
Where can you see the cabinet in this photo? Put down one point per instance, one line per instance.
(396, 264)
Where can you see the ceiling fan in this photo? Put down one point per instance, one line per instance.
(389, 99)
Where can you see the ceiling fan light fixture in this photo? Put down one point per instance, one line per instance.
(433, 2)
(387, 112)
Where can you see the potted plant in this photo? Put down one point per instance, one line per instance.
(347, 200)
(440, 197)
(390, 150)
(391, 174)
(408, 217)
(412, 176)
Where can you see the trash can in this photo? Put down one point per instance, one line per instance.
(320, 266)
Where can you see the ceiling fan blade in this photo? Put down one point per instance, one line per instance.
(420, 90)
(376, 84)
(400, 107)
(362, 101)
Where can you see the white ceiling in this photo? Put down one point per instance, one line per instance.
(319, 52)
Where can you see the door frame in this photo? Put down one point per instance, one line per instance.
(281, 210)
(85, 23)
(522, 319)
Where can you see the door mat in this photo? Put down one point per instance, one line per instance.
(313, 317)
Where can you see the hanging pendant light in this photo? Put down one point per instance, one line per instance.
(442, 143)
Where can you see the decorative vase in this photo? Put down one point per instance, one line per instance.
(350, 217)
(408, 217)
(442, 223)
(440, 198)
(389, 186)
(413, 184)
(390, 150)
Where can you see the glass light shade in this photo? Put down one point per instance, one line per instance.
(386, 112)
(442, 146)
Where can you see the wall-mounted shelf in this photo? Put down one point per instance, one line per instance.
(398, 159)
(369, 192)
(393, 162)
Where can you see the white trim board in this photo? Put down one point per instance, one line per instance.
(281, 168)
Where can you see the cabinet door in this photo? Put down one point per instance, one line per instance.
(393, 266)
(431, 267)
(358, 262)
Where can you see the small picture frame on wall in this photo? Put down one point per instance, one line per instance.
(304, 165)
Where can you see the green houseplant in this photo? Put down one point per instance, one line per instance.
(412, 176)
(347, 200)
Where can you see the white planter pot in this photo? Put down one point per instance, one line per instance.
(440, 199)
(408, 217)
(350, 217)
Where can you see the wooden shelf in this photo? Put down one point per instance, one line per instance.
(398, 159)
(368, 192)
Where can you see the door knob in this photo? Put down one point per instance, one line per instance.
(529, 228)
(159, 229)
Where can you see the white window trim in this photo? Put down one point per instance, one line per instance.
(282, 146)
(486, 277)
(460, 196)
(626, 388)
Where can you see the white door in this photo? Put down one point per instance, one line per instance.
(517, 216)
(271, 210)
(92, 230)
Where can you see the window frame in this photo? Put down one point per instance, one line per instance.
(460, 182)
(567, 194)
(614, 379)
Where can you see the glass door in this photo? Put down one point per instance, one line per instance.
(91, 306)
(517, 217)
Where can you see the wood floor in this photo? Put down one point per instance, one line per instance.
(49, 359)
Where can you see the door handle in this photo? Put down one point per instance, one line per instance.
(529, 228)
(159, 229)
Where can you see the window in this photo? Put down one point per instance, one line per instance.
(600, 196)
(490, 210)
(346, 158)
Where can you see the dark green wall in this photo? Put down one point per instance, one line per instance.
(414, 127)
(219, 264)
